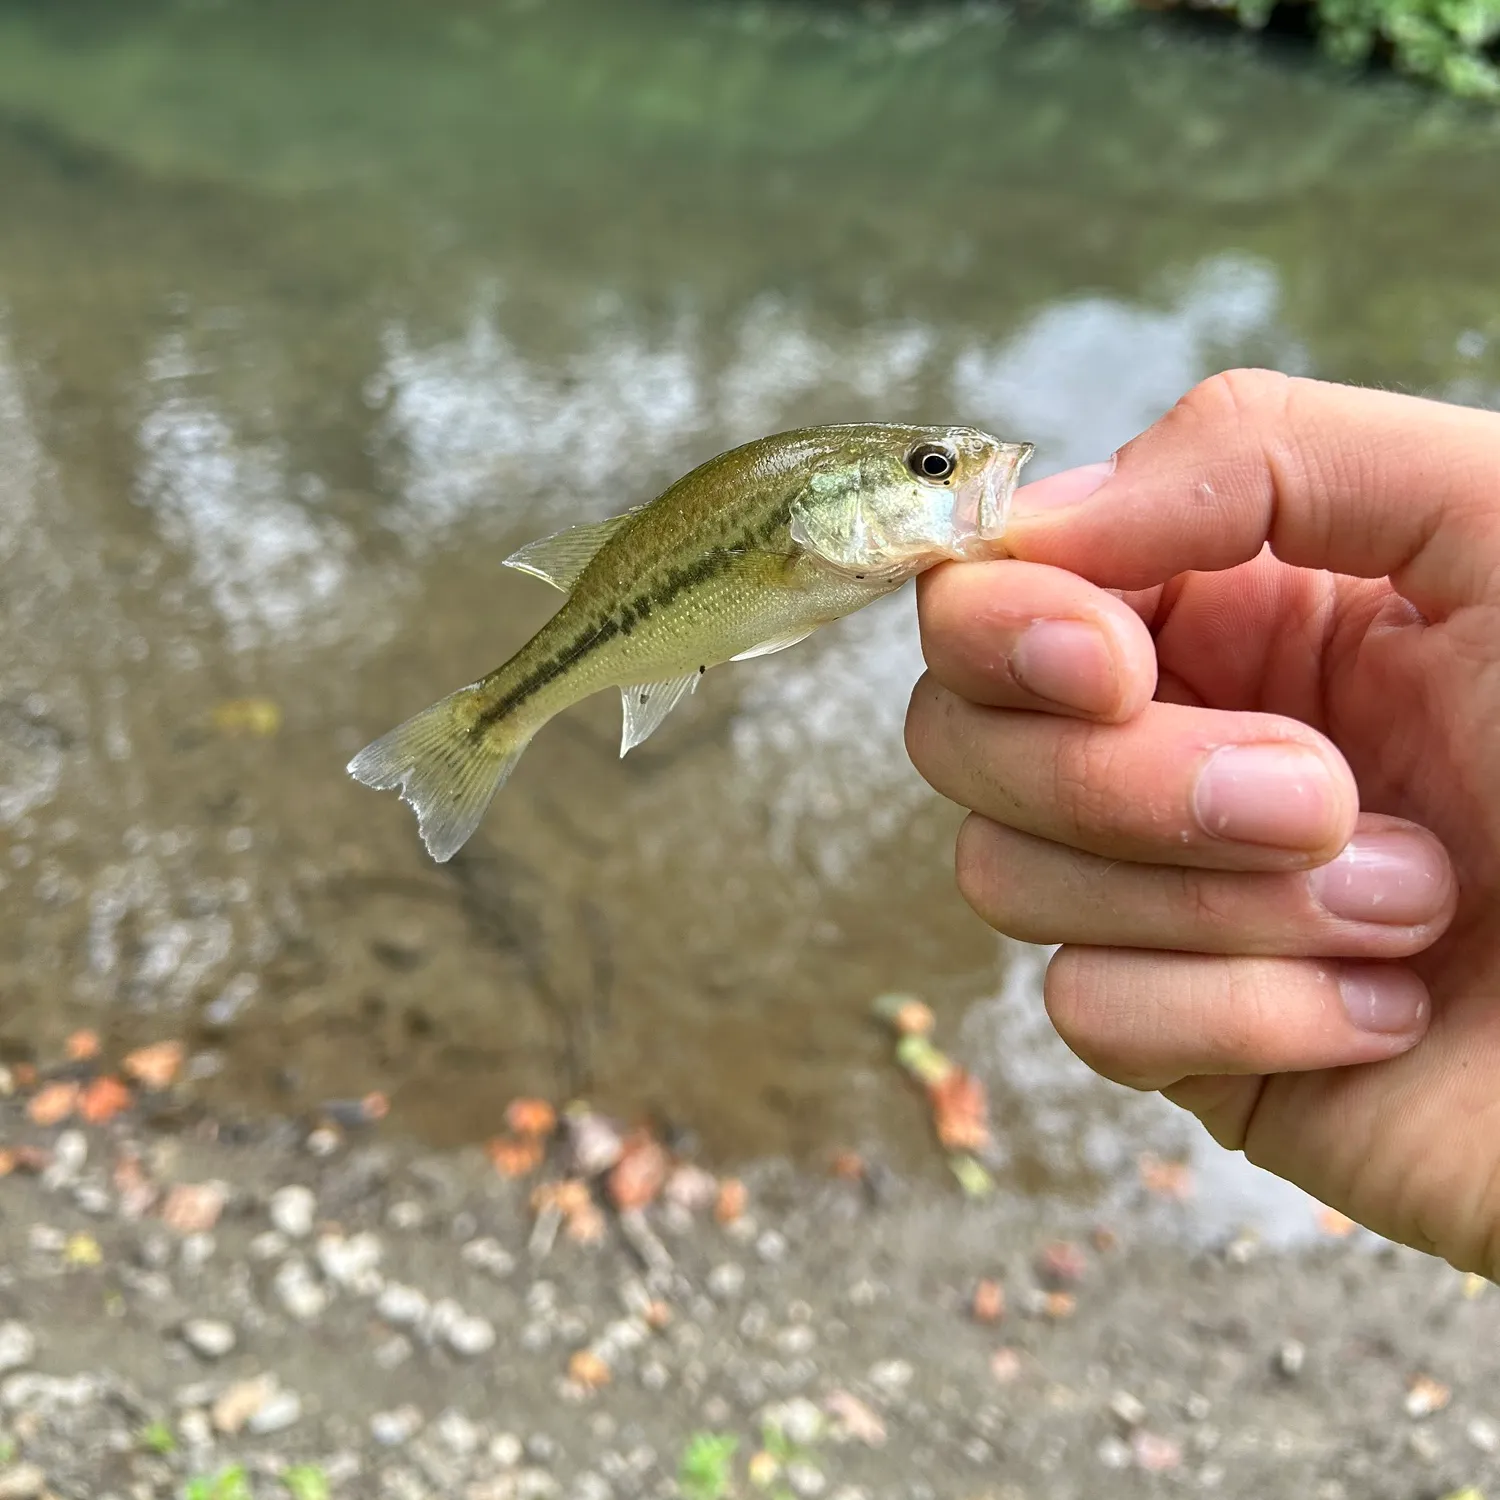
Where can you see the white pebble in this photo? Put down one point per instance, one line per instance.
(208, 1337)
(771, 1247)
(1290, 1358)
(402, 1305)
(1483, 1434)
(892, 1376)
(591, 1486)
(282, 1410)
(405, 1214)
(269, 1245)
(798, 1339)
(351, 1262)
(799, 1421)
(1127, 1410)
(1114, 1453)
(726, 1280)
(392, 1428)
(293, 1209)
(393, 1351)
(805, 1479)
(490, 1256)
(506, 1450)
(456, 1432)
(298, 1293)
(22, 1482)
(17, 1346)
(471, 1336)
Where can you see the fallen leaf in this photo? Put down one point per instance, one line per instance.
(731, 1201)
(854, 1419)
(103, 1099)
(1062, 1263)
(514, 1158)
(154, 1067)
(914, 1019)
(7, 1162)
(849, 1165)
(658, 1315)
(637, 1177)
(1332, 1222)
(1154, 1454)
(53, 1103)
(256, 716)
(376, 1105)
(193, 1208)
(137, 1193)
(587, 1226)
(960, 1111)
(240, 1402)
(530, 1117)
(588, 1370)
(1059, 1305)
(1166, 1179)
(81, 1251)
(988, 1305)
(81, 1046)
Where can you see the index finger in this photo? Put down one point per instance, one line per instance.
(1354, 481)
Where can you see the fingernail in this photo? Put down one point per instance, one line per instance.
(1384, 998)
(1396, 878)
(1277, 795)
(1067, 662)
(1058, 491)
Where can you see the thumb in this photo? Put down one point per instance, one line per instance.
(1332, 477)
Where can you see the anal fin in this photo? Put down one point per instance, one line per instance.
(648, 703)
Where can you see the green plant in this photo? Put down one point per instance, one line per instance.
(1454, 44)
(7, 1450)
(706, 1471)
(157, 1437)
(229, 1484)
(306, 1482)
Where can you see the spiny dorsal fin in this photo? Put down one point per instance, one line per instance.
(648, 703)
(560, 558)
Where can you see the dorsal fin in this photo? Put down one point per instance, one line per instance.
(560, 558)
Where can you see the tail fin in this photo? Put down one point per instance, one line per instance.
(447, 764)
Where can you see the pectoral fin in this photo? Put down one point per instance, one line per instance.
(767, 648)
(648, 703)
(560, 558)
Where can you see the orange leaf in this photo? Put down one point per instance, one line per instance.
(588, 1370)
(193, 1208)
(1166, 1179)
(989, 1302)
(7, 1162)
(513, 1158)
(82, 1046)
(960, 1111)
(53, 1103)
(530, 1117)
(586, 1226)
(638, 1176)
(731, 1203)
(849, 1165)
(103, 1099)
(154, 1067)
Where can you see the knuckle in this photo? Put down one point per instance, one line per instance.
(1207, 901)
(1087, 784)
(1244, 396)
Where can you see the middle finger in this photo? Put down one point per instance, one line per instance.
(1175, 785)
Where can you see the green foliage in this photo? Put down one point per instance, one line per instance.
(230, 1484)
(706, 1471)
(7, 1450)
(306, 1482)
(157, 1437)
(1454, 44)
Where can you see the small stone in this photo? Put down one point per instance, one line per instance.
(1127, 1410)
(240, 1402)
(402, 1305)
(195, 1252)
(282, 1410)
(323, 1141)
(22, 1482)
(456, 1432)
(351, 1262)
(506, 1450)
(1424, 1445)
(300, 1296)
(1426, 1396)
(1114, 1453)
(1197, 1407)
(797, 1420)
(771, 1246)
(726, 1280)
(805, 1479)
(94, 1199)
(798, 1339)
(1291, 1356)
(270, 1245)
(1483, 1434)
(535, 1484)
(405, 1214)
(208, 1337)
(490, 1256)
(655, 1376)
(1155, 1454)
(393, 1351)
(471, 1336)
(293, 1210)
(541, 1448)
(194, 1429)
(194, 1208)
(891, 1376)
(392, 1428)
(591, 1486)
(855, 1421)
(17, 1347)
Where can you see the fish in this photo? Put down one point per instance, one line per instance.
(746, 555)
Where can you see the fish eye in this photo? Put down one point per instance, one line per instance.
(932, 462)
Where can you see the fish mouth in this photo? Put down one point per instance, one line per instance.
(995, 487)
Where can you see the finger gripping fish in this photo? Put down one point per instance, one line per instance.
(748, 554)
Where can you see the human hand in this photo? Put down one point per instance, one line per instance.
(1255, 793)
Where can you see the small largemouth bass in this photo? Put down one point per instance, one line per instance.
(748, 554)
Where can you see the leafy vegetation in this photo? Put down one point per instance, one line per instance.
(157, 1437)
(1454, 44)
(706, 1471)
(306, 1482)
(229, 1484)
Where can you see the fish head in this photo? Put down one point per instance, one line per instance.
(896, 500)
